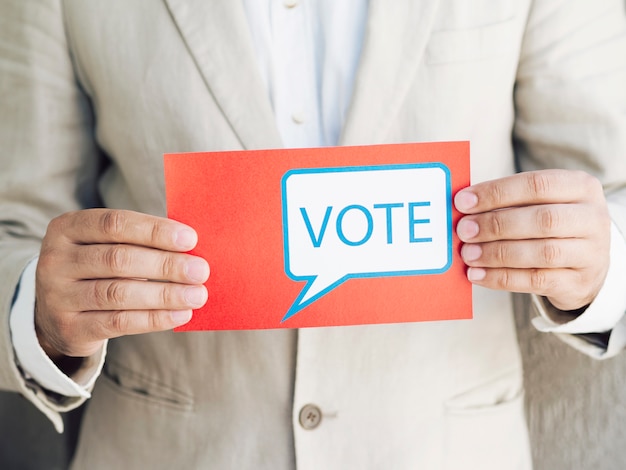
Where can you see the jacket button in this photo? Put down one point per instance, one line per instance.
(310, 417)
(298, 117)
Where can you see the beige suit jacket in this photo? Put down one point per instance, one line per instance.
(92, 93)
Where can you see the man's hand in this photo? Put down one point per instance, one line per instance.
(543, 232)
(108, 273)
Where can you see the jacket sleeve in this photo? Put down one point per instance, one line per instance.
(570, 99)
(49, 161)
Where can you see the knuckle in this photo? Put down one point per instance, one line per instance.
(156, 322)
(118, 323)
(539, 184)
(55, 225)
(501, 254)
(115, 293)
(505, 280)
(589, 182)
(550, 254)
(109, 295)
(117, 259)
(498, 195)
(113, 223)
(48, 259)
(99, 296)
(60, 222)
(495, 225)
(167, 296)
(168, 268)
(547, 220)
(538, 281)
(156, 233)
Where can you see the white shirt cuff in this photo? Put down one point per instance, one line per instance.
(32, 358)
(604, 314)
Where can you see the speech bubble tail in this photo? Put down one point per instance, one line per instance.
(300, 303)
(314, 289)
(295, 308)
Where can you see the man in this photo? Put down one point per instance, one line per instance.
(96, 92)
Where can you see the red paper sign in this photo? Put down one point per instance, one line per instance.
(325, 237)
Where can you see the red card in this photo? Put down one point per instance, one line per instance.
(325, 237)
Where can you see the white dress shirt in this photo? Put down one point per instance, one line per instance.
(308, 52)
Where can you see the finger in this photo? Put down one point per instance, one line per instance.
(81, 334)
(118, 226)
(533, 187)
(128, 261)
(542, 221)
(100, 325)
(125, 294)
(549, 253)
(546, 282)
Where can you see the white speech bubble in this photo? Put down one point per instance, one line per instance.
(366, 221)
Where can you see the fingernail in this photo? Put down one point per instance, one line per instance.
(196, 296)
(180, 317)
(471, 252)
(186, 239)
(476, 274)
(197, 270)
(465, 200)
(467, 229)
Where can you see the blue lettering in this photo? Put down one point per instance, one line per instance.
(316, 240)
(370, 225)
(388, 208)
(413, 222)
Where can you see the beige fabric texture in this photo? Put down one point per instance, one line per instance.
(96, 92)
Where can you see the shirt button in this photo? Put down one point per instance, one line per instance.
(310, 417)
(298, 118)
(290, 3)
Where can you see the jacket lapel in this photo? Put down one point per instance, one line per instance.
(217, 35)
(395, 39)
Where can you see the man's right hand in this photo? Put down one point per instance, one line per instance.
(107, 273)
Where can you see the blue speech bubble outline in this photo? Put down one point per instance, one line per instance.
(297, 306)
